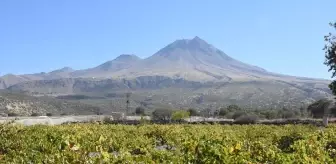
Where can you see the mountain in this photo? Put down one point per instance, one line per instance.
(107, 69)
(177, 75)
(193, 59)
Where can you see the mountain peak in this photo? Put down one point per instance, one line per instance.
(126, 58)
(198, 39)
(64, 69)
(121, 62)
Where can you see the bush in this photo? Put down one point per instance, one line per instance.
(223, 111)
(35, 114)
(162, 115)
(64, 114)
(246, 119)
(285, 142)
(193, 112)
(118, 115)
(233, 108)
(12, 114)
(180, 115)
(238, 114)
(139, 111)
(107, 119)
(49, 114)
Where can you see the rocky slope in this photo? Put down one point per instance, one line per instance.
(21, 104)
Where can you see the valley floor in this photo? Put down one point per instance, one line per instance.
(94, 143)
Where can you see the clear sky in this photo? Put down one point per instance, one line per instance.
(283, 36)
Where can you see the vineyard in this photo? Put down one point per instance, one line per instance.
(96, 143)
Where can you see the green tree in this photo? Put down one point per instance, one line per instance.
(233, 108)
(140, 110)
(193, 112)
(330, 56)
(180, 115)
(223, 111)
(162, 115)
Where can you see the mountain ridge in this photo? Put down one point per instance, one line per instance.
(192, 59)
(176, 75)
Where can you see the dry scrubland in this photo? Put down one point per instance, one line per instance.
(92, 143)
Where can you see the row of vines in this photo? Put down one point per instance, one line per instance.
(95, 143)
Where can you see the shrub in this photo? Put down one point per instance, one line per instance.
(238, 114)
(139, 111)
(35, 114)
(12, 114)
(193, 112)
(247, 119)
(64, 114)
(285, 142)
(49, 114)
(162, 115)
(180, 115)
(118, 115)
(233, 108)
(107, 120)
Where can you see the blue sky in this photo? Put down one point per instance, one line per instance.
(283, 36)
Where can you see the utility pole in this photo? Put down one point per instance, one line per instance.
(128, 95)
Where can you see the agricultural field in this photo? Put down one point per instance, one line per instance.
(149, 143)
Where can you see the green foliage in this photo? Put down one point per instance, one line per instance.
(162, 115)
(180, 115)
(193, 112)
(35, 114)
(330, 56)
(238, 114)
(140, 110)
(64, 114)
(247, 119)
(12, 114)
(223, 111)
(318, 108)
(94, 143)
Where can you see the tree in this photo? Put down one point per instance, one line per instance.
(330, 56)
(223, 111)
(193, 112)
(162, 115)
(180, 115)
(140, 110)
(35, 114)
(330, 61)
(238, 114)
(321, 107)
(12, 114)
(233, 108)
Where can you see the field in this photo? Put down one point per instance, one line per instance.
(95, 143)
